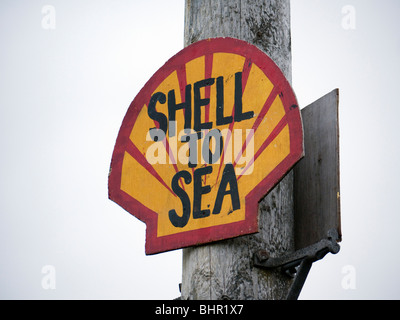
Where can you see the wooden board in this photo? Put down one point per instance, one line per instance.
(317, 176)
(208, 136)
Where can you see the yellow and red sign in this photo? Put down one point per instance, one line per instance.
(210, 134)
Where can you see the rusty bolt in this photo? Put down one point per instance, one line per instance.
(262, 255)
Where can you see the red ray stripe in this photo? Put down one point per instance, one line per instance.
(207, 74)
(270, 100)
(277, 130)
(267, 105)
(182, 80)
(134, 152)
(245, 76)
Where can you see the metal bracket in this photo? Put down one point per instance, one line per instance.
(299, 263)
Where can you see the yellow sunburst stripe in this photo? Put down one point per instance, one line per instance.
(273, 155)
(151, 194)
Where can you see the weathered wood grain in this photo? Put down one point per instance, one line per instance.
(224, 270)
(264, 23)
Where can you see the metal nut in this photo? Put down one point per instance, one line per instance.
(262, 255)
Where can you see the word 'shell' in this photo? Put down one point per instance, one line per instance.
(213, 142)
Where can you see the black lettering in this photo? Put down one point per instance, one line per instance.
(154, 114)
(228, 177)
(192, 138)
(221, 120)
(157, 134)
(208, 156)
(180, 221)
(199, 190)
(199, 102)
(239, 115)
(173, 107)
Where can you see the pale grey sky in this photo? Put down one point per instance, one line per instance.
(64, 89)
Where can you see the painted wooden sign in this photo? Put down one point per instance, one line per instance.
(210, 134)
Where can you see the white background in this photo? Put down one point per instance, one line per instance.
(65, 91)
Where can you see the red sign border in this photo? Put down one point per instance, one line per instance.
(156, 244)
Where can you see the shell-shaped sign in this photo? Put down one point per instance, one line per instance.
(210, 134)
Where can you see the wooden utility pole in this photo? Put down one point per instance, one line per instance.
(224, 270)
